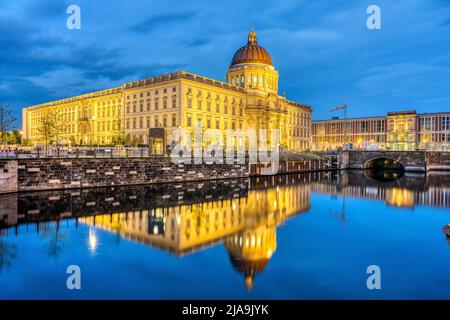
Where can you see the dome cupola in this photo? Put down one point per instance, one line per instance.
(251, 53)
(252, 68)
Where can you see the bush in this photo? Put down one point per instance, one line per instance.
(299, 156)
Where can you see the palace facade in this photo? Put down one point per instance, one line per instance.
(398, 131)
(248, 99)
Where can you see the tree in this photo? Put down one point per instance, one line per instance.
(13, 137)
(117, 129)
(8, 253)
(50, 127)
(6, 121)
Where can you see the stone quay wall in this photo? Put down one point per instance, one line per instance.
(8, 176)
(47, 174)
(415, 161)
(57, 173)
(437, 160)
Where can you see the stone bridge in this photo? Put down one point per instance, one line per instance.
(419, 161)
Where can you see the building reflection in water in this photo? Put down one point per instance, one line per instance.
(247, 225)
(242, 214)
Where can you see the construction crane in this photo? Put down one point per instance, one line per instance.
(344, 126)
(341, 216)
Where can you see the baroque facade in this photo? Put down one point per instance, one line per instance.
(397, 131)
(248, 99)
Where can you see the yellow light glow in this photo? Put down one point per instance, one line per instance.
(92, 242)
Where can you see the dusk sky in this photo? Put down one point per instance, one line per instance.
(322, 49)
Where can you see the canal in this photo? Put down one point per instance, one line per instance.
(298, 236)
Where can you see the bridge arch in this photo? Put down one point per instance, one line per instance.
(384, 162)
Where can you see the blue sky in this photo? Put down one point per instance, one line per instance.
(322, 49)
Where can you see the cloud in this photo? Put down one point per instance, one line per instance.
(49, 8)
(323, 51)
(157, 20)
(198, 42)
(417, 81)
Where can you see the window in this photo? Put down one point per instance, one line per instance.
(217, 107)
(446, 123)
(379, 126)
(174, 102)
(156, 122)
(156, 104)
(189, 103)
(165, 103)
(199, 104)
(174, 120)
(189, 121)
(364, 126)
(427, 124)
(334, 128)
(348, 127)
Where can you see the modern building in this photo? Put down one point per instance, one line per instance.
(248, 99)
(399, 131)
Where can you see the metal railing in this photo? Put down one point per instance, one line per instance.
(76, 152)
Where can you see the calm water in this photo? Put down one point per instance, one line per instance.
(309, 236)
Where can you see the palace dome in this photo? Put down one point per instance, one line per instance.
(249, 268)
(251, 52)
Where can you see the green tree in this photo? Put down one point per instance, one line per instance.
(6, 121)
(50, 127)
(118, 129)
